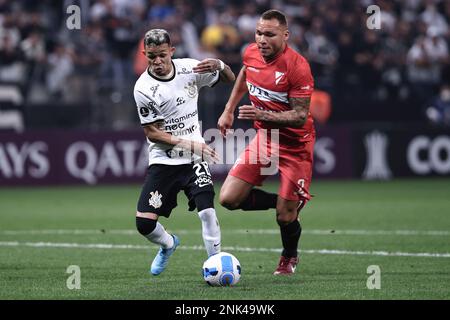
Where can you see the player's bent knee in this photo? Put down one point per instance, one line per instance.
(228, 202)
(227, 199)
(145, 226)
(284, 221)
(286, 216)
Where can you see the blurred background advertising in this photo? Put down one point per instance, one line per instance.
(67, 71)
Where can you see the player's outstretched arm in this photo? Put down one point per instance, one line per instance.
(156, 135)
(293, 118)
(210, 65)
(239, 89)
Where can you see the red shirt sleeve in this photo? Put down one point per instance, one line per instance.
(301, 80)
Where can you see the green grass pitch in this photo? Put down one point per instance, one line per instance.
(402, 226)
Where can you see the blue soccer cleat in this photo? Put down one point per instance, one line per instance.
(161, 260)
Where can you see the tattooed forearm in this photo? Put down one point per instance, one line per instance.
(293, 118)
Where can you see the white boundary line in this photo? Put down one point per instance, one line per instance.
(234, 231)
(197, 248)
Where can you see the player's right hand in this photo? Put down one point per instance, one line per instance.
(225, 123)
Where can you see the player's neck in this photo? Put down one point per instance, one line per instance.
(275, 56)
(164, 77)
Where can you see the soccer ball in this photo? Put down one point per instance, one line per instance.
(222, 269)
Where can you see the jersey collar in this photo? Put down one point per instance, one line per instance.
(160, 79)
(276, 57)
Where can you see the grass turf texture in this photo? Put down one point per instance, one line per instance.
(122, 273)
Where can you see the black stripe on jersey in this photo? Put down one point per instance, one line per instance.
(145, 95)
(152, 122)
(217, 81)
(163, 104)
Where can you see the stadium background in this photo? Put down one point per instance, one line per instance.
(382, 110)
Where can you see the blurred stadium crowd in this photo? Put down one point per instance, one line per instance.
(85, 77)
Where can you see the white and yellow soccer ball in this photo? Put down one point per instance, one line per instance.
(222, 269)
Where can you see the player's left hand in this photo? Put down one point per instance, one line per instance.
(248, 112)
(207, 66)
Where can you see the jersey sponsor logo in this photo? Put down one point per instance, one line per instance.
(184, 71)
(182, 118)
(183, 132)
(155, 199)
(278, 76)
(180, 101)
(306, 88)
(174, 127)
(267, 95)
(144, 111)
(191, 89)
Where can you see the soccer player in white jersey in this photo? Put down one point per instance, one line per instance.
(166, 96)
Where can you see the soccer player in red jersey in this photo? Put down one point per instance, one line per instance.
(280, 84)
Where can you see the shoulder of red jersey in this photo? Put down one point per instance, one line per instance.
(300, 76)
(294, 58)
(250, 52)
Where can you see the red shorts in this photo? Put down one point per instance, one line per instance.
(261, 158)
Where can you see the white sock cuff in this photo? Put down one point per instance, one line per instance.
(207, 214)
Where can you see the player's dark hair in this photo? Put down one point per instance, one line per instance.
(156, 37)
(275, 14)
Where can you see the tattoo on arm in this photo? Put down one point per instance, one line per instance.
(295, 117)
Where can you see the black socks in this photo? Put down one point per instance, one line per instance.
(145, 226)
(290, 235)
(259, 200)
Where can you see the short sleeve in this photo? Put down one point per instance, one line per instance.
(207, 79)
(301, 80)
(148, 109)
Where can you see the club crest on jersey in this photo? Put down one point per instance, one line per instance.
(278, 76)
(155, 199)
(191, 89)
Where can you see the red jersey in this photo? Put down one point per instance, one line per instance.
(270, 85)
